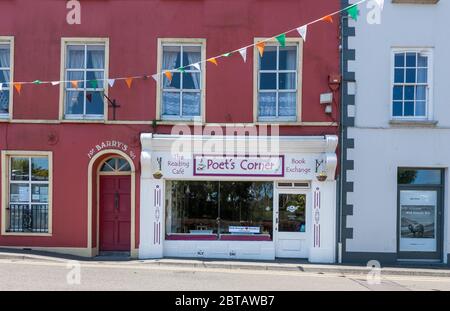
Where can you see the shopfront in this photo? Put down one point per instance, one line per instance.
(245, 204)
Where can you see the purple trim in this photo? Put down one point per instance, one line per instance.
(240, 175)
(191, 237)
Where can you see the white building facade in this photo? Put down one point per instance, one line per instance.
(396, 130)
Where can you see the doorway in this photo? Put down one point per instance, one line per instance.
(115, 206)
(291, 224)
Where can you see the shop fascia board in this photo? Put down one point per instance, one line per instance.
(287, 144)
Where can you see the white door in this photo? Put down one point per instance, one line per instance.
(291, 225)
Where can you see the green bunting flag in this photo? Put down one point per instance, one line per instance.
(353, 12)
(281, 39)
(227, 54)
(37, 82)
(93, 83)
(181, 69)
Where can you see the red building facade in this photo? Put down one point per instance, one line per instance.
(75, 178)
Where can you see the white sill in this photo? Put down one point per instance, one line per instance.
(413, 122)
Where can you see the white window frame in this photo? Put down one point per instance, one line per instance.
(162, 42)
(10, 41)
(428, 52)
(6, 157)
(298, 42)
(65, 42)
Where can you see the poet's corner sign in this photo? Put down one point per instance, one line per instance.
(111, 144)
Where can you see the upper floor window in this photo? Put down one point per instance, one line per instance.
(412, 84)
(85, 78)
(278, 83)
(181, 97)
(5, 77)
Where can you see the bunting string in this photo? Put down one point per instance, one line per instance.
(352, 11)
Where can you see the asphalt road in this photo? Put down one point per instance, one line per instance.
(24, 274)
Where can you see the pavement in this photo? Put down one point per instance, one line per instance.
(277, 265)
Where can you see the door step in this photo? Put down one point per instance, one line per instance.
(113, 255)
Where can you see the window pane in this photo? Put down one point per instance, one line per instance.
(19, 193)
(267, 104)
(39, 218)
(39, 169)
(192, 207)
(174, 84)
(5, 56)
(191, 55)
(288, 58)
(400, 60)
(419, 176)
(410, 75)
(268, 81)
(287, 104)
(4, 77)
(409, 109)
(398, 92)
(292, 209)
(39, 193)
(246, 208)
(95, 56)
(411, 60)
(399, 76)
(75, 76)
(409, 92)
(171, 103)
(4, 102)
(75, 57)
(422, 61)
(269, 59)
(95, 77)
(191, 104)
(171, 57)
(74, 102)
(287, 81)
(420, 108)
(191, 81)
(398, 109)
(421, 92)
(20, 169)
(422, 75)
(95, 103)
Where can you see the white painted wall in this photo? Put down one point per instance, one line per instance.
(380, 148)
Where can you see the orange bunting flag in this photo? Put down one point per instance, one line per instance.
(18, 87)
(261, 46)
(168, 74)
(128, 81)
(74, 84)
(213, 60)
(328, 18)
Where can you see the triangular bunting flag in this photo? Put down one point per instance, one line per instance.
(93, 83)
(328, 18)
(281, 39)
(353, 12)
(243, 53)
(227, 54)
(196, 66)
(55, 83)
(181, 69)
(168, 74)
(302, 31)
(380, 3)
(89, 97)
(37, 82)
(111, 82)
(1, 87)
(129, 81)
(18, 87)
(213, 61)
(74, 84)
(260, 46)
(155, 77)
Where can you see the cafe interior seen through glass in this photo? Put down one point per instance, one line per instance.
(219, 208)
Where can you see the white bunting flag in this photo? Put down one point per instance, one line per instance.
(111, 82)
(196, 66)
(55, 83)
(303, 31)
(1, 87)
(380, 3)
(155, 77)
(243, 53)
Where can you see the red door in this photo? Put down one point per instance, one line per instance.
(115, 213)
